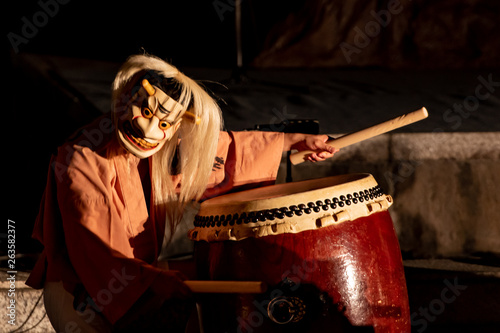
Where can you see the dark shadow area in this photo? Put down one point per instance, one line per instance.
(342, 65)
(347, 278)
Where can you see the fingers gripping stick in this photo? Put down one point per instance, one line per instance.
(367, 133)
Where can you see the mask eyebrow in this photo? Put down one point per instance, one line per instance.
(163, 109)
(154, 104)
(160, 101)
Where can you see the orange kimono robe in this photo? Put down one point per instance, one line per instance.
(94, 222)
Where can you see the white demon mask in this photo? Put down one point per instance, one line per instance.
(152, 118)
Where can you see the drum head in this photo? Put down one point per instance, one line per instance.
(288, 208)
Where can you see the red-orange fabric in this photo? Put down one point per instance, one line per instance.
(94, 219)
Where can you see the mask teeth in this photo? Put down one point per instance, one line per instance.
(138, 141)
(144, 143)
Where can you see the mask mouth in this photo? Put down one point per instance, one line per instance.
(136, 140)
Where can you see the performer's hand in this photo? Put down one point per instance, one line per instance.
(165, 302)
(170, 284)
(302, 142)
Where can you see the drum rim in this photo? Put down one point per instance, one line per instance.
(219, 224)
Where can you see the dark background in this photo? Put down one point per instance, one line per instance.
(188, 33)
(430, 54)
(428, 35)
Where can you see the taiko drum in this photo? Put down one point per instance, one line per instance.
(326, 248)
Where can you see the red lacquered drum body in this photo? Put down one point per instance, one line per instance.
(326, 249)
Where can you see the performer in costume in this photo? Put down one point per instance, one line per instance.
(116, 185)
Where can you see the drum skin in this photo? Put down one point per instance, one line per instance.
(345, 277)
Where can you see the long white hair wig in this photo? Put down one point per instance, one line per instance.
(192, 149)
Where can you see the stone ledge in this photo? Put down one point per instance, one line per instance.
(439, 146)
(453, 295)
(445, 187)
(437, 268)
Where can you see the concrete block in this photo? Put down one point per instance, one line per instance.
(445, 146)
(447, 207)
(444, 187)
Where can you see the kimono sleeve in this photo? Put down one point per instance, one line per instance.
(98, 245)
(245, 160)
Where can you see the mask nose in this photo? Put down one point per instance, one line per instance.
(149, 128)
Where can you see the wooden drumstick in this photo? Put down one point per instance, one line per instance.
(226, 287)
(367, 133)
